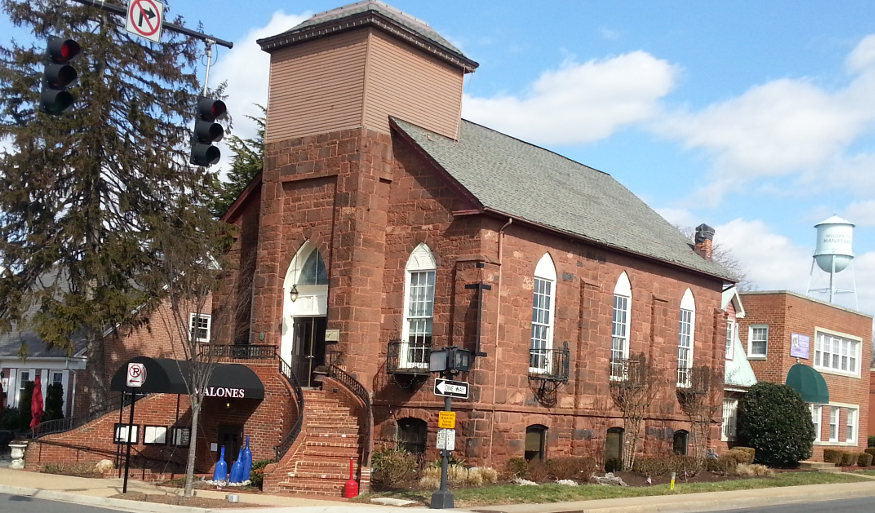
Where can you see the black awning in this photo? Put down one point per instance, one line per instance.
(165, 376)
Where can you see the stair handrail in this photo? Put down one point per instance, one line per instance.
(283, 447)
(53, 427)
(361, 392)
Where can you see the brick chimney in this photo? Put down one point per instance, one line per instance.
(704, 240)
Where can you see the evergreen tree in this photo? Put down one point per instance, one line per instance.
(82, 195)
(247, 163)
(54, 402)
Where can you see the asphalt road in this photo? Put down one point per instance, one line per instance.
(859, 505)
(20, 504)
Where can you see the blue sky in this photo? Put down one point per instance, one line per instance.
(757, 118)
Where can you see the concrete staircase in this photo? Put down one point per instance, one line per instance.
(819, 466)
(318, 463)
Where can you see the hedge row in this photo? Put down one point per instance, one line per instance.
(847, 458)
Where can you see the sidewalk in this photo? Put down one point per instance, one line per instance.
(96, 492)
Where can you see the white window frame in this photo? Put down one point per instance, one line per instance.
(421, 264)
(730, 418)
(851, 425)
(620, 324)
(731, 327)
(834, 423)
(753, 328)
(545, 278)
(21, 383)
(817, 419)
(686, 341)
(195, 329)
(832, 349)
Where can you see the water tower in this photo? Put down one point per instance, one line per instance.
(834, 254)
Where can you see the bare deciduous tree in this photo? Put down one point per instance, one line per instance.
(725, 257)
(633, 393)
(700, 401)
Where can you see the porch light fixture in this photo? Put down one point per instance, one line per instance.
(293, 294)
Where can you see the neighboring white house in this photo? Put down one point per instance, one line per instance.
(739, 375)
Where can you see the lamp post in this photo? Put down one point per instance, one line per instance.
(448, 361)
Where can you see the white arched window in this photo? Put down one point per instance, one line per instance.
(418, 308)
(543, 305)
(686, 336)
(620, 327)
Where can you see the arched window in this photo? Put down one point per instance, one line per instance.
(313, 271)
(680, 442)
(543, 305)
(686, 337)
(620, 327)
(412, 435)
(418, 308)
(536, 442)
(614, 449)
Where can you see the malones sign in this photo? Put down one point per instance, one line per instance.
(234, 393)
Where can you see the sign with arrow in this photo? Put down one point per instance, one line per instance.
(450, 388)
(145, 19)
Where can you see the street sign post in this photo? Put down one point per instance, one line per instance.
(450, 388)
(145, 18)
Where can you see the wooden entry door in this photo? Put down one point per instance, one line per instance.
(308, 349)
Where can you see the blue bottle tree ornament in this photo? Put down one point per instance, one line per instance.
(247, 461)
(237, 468)
(220, 474)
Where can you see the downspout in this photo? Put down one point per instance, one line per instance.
(497, 329)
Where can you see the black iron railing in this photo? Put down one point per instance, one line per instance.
(361, 392)
(283, 447)
(404, 358)
(52, 427)
(550, 364)
(238, 351)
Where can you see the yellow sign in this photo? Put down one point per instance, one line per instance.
(447, 420)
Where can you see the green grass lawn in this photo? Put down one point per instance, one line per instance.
(513, 494)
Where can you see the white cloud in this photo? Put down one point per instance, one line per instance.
(678, 216)
(246, 68)
(774, 262)
(785, 127)
(861, 213)
(580, 103)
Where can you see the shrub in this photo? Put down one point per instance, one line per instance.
(537, 472)
(832, 456)
(724, 464)
(743, 454)
(754, 470)
(684, 465)
(871, 441)
(775, 421)
(54, 403)
(81, 469)
(870, 450)
(390, 466)
(256, 476)
(490, 475)
(571, 467)
(652, 465)
(613, 465)
(864, 459)
(11, 419)
(516, 467)
(849, 458)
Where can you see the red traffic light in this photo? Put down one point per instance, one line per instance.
(62, 50)
(209, 109)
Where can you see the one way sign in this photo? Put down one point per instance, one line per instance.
(446, 387)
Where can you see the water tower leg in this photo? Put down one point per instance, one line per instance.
(810, 273)
(832, 274)
(854, 282)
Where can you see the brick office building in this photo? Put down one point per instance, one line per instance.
(783, 331)
(383, 225)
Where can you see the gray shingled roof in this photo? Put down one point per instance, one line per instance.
(418, 26)
(536, 185)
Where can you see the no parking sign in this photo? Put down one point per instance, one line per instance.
(136, 375)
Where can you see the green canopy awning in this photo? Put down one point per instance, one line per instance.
(809, 383)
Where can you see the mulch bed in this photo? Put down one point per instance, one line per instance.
(195, 502)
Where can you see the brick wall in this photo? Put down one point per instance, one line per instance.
(786, 313)
(266, 422)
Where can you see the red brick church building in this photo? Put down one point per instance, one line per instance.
(383, 226)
